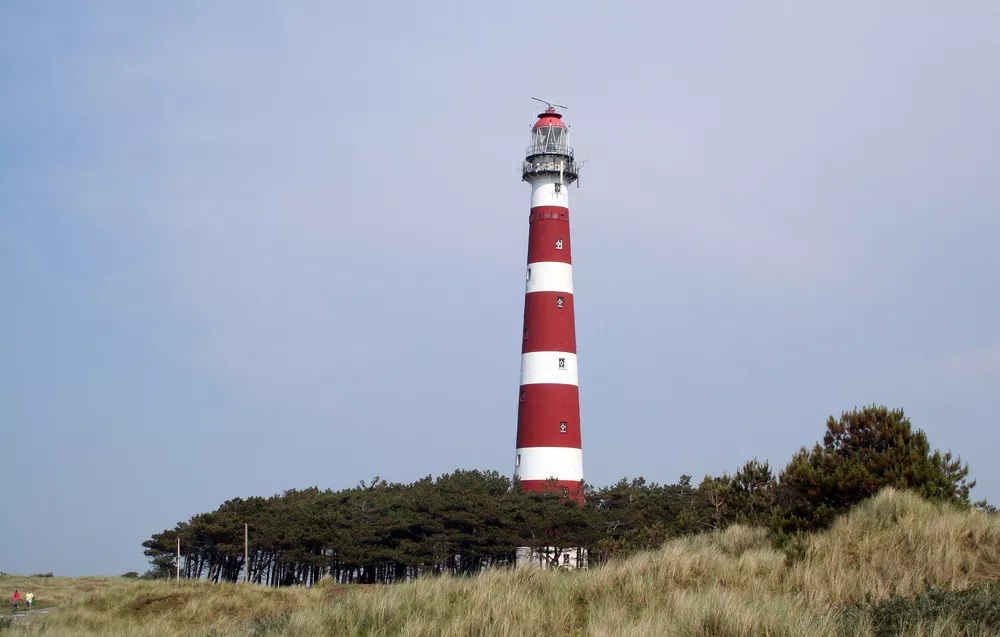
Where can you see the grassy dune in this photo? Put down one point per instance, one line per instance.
(721, 584)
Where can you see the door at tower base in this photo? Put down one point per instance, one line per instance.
(551, 557)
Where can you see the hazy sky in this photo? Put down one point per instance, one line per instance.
(252, 246)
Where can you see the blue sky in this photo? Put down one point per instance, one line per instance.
(251, 246)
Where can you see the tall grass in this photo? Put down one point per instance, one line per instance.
(730, 583)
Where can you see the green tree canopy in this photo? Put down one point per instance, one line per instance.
(863, 451)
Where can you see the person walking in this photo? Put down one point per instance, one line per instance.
(17, 598)
(29, 599)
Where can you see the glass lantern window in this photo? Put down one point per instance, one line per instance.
(548, 139)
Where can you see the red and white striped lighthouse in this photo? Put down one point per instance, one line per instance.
(548, 413)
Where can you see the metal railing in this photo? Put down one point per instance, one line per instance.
(548, 149)
(570, 169)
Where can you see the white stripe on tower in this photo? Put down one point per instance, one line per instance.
(549, 276)
(555, 368)
(541, 463)
(543, 193)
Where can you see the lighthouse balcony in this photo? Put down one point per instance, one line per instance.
(550, 164)
(548, 148)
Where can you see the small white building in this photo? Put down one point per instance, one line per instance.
(550, 556)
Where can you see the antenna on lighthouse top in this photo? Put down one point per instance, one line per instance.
(551, 106)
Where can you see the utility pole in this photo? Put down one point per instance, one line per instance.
(178, 559)
(246, 550)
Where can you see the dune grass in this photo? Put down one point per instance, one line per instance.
(730, 583)
(57, 591)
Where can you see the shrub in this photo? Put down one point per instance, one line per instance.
(973, 611)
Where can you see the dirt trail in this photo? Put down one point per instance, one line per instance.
(24, 614)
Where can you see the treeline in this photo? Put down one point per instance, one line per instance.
(459, 523)
(467, 521)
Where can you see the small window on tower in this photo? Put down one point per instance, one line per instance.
(525, 333)
(562, 363)
(560, 302)
(562, 427)
(518, 463)
(558, 187)
(529, 274)
(558, 244)
(522, 395)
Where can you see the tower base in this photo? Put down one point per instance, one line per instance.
(551, 557)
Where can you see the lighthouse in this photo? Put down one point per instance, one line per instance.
(548, 414)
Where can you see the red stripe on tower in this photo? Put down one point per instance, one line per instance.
(548, 416)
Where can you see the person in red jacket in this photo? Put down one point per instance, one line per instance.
(17, 598)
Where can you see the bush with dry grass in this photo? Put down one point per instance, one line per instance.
(728, 583)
